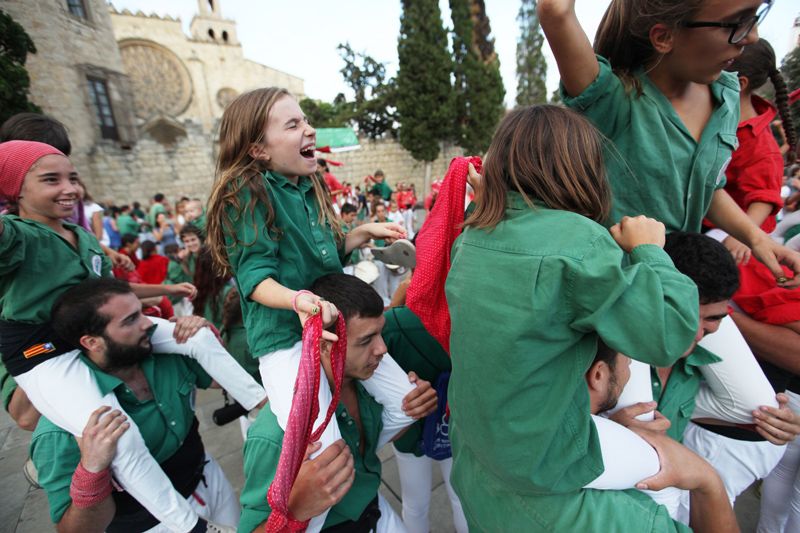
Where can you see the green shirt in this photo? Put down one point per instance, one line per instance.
(383, 189)
(155, 209)
(676, 400)
(37, 265)
(176, 274)
(236, 344)
(304, 251)
(127, 225)
(654, 165)
(7, 386)
(499, 508)
(262, 449)
(413, 348)
(528, 301)
(163, 421)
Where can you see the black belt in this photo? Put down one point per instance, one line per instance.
(732, 432)
(368, 521)
(24, 346)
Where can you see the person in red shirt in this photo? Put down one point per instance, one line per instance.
(755, 176)
(334, 186)
(152, 267)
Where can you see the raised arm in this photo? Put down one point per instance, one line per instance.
(574, 55)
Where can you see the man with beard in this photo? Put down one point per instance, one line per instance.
(104, 319)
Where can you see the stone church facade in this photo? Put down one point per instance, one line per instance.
(142, 100)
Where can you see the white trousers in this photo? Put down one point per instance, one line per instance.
(63, 390)
(215, 500)
(416, 480)
(736, 386)
(780, 493)
(388, 385)
(739, 463)
(389, 522)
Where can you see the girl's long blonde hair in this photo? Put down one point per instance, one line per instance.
(243, 124)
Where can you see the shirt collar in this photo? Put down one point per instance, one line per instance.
(106, 382)
(699, 357)
(279, 180)
(766, 113)
(515, 200)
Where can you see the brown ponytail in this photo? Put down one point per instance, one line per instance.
(623, 36)
(757, 64)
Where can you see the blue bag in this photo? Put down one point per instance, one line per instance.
(436, 431)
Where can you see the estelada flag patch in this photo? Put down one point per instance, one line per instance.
(39, 349)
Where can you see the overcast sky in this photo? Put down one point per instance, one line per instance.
(300, 37)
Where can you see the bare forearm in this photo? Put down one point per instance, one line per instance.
(272, 294)
(88, 519)
(729, 217)
(758, 212)
(143, 290)
(775, 344)
(356, 239)
(22, 410)
(711, 510)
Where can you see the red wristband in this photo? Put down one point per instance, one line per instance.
(89, 488)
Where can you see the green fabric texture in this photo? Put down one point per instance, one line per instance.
(676, 400)
(304, 251)
(37, 265)
(655, 166)
(262, 449)
(528, 301)
(164, 421)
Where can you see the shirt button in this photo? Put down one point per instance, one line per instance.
(324, 252)
(349, 422)
(172, 423)
(313, 223)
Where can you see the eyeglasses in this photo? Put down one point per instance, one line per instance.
(740, 29)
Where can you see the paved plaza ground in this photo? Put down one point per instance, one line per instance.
(24, 509)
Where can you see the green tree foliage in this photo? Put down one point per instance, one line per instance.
(324, 115)
(790, 68)
(531, 65)
(15, 45)
(424, 93)
(478, 88)
(373, 109)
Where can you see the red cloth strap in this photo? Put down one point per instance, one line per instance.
(434, 241)
(88, 488)
(304, 411)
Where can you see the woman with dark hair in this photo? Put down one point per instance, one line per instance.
(211, 289)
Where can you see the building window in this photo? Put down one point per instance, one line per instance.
(98, 91)
(77, 8)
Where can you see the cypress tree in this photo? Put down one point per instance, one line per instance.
(478, 90)
(531, 65)
(15, 45)
(424, 93)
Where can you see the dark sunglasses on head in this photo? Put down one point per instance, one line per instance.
(740, 29)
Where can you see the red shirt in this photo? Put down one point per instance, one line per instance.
(755, 173)
(332, 183)
(153, 270)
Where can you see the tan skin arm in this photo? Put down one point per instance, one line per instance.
(728, 216)
(98, 446)
(574, 55)
(22, 410)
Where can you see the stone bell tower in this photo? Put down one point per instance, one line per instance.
(210, 25)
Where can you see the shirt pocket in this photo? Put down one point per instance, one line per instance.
(726, 145)
(187, 391)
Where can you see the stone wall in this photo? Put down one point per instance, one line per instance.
(393, 159)
(183, 169)
(68, 49)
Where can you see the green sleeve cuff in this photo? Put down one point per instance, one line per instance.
(651, 254)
